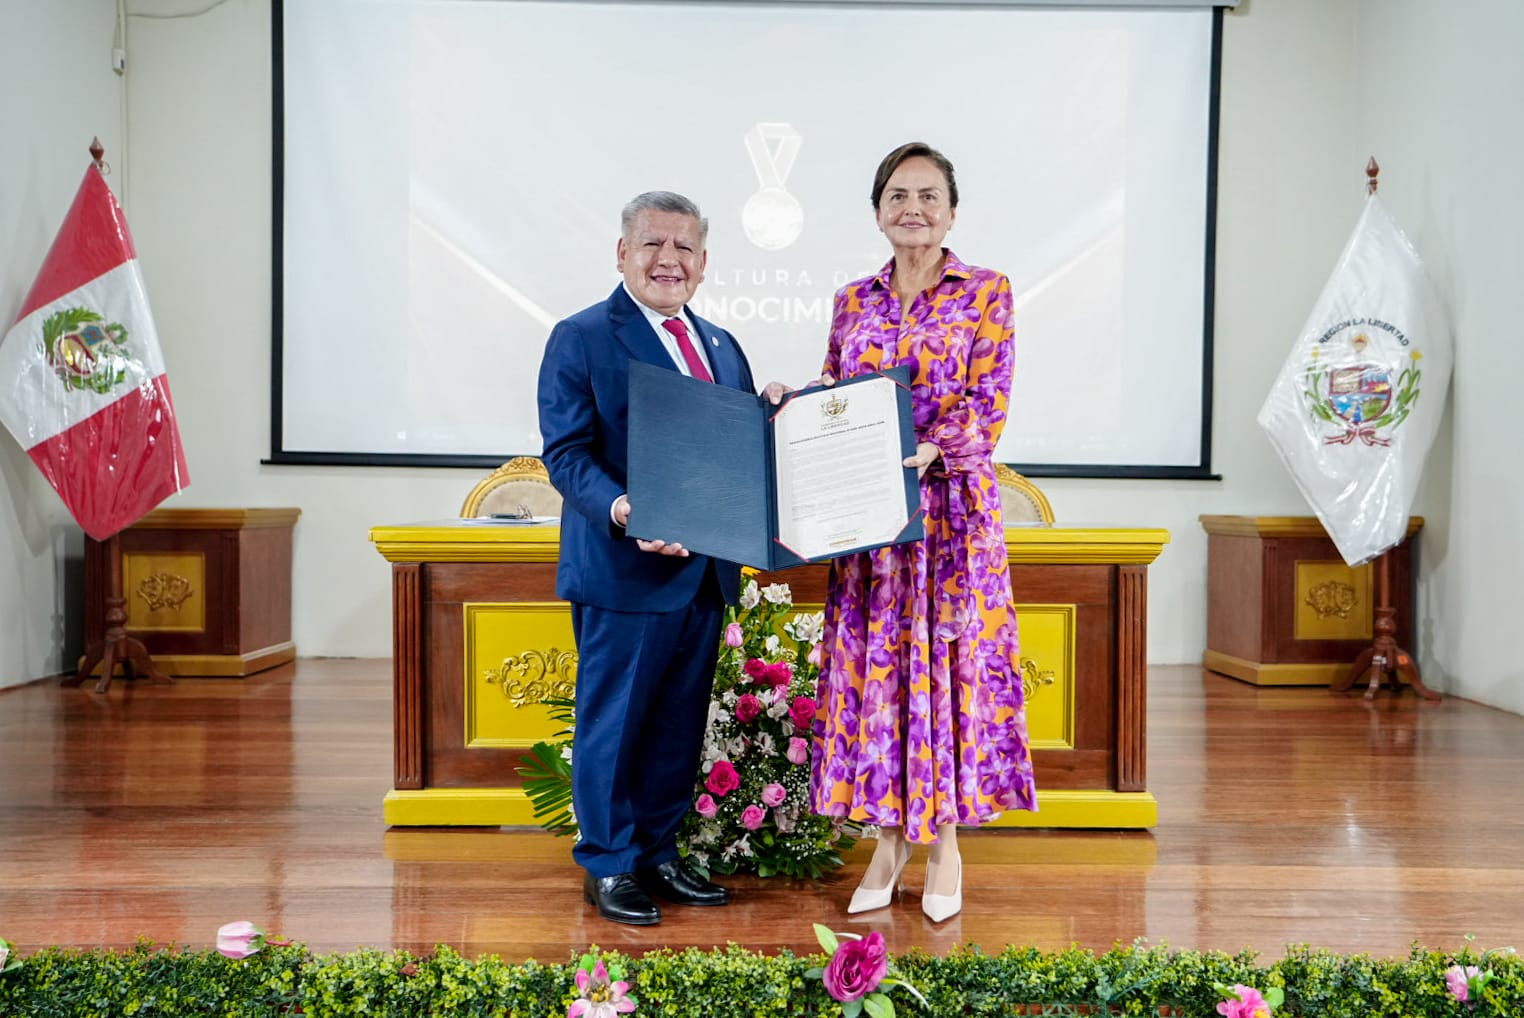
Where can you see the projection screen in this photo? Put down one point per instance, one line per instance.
(450, 176)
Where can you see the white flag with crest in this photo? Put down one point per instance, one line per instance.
(1356, 405)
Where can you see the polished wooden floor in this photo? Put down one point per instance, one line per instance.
(1285, 816)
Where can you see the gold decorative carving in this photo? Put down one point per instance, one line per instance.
(535, 676)
(165, 590)
(1032, 680)
(1332, 598)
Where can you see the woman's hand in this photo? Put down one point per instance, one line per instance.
(925, 455)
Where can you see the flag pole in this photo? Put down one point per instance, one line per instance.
(1383, 659)
(116, 647)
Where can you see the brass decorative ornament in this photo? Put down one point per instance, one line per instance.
(1331, 598)
(165, 591)
(534, 676)
(1032, 679)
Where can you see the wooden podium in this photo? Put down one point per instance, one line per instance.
(479, 639)
(1283, 608)
(208, 591)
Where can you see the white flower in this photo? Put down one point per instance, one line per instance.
(741, 846)
(778, 593)
(737, 747)
(773, 646)
(806, 628)
(749, 597)
(702, 858)
(715, 713)
(5, 953)
(566, 752)
(765, 744)
(713, 753)
(778, 709)
(765, 697)
(784, 821)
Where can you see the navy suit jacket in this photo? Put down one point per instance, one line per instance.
(584, 421)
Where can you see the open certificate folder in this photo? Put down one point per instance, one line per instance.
(726, 473)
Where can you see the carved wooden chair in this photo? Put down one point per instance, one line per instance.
(521, 484)
(1021, 501)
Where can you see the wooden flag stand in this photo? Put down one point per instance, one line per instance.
(1383, 659)
(116, 647)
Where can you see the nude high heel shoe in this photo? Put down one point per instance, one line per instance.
(866, 899)
(939, 907)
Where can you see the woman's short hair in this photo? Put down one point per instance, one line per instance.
(911, 150)
(661, 201)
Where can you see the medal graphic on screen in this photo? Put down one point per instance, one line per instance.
(772, 218)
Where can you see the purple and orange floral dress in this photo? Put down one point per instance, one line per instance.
(920, 716)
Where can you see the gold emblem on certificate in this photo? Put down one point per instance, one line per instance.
(772, 218)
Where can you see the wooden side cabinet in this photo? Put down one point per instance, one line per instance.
(1283, 608)
(208, 591)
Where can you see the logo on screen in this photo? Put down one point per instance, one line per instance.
(772, 218)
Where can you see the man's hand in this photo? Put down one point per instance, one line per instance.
(621, 515)
(925, 455)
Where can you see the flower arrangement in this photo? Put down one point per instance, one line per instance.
(751, 809)
(602, 991)
(857, 974)
(1247, 1002)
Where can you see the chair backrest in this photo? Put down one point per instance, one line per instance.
(521, 483)
(1021, 501)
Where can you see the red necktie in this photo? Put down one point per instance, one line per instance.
(685, 346)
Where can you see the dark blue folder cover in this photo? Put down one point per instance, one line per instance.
(701, 469)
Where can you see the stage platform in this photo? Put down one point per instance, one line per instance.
(1285, 816)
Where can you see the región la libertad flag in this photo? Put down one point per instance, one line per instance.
(1358, 401)
(82, 383)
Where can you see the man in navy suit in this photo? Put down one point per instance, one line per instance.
(646, 614)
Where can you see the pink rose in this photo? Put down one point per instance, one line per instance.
(747, 708)
(780, 673)
(816, 656)
(774, 794)
(1458, 981)
(798, 751)
(802, 711)
(752, 817)
(1248, 1005)
(857, 967)
(705, 805)
(733, 635)
(240, 939)
(723, 779)
(754, 668)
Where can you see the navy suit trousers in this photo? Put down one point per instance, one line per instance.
(643, 686)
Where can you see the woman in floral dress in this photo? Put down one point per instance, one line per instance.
(921, 724)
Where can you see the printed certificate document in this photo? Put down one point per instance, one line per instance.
(728, 474)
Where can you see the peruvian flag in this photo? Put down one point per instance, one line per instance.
(82, 383)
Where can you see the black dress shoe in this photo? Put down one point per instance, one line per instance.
(620, 899)
(677, 883)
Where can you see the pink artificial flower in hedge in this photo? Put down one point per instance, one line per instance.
(754, 668)
(600, 997)
(774, 794)
(857, 967)
(747, 708)
(240, 939)
(752, 817)
(798, 751)
(734, 637)
(705, 805)
(1458, 981)
(802, 711)
(722, 778)
(1250, 1004)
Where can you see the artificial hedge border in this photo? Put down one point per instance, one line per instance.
(733, 981)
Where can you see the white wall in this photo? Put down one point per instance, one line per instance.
(47, 119)
(1441, 88)
(1310, 88)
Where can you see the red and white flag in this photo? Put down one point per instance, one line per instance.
(82, 383)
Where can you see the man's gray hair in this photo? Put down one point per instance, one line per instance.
(662, 201)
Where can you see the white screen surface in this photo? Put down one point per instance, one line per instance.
(453, 181)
